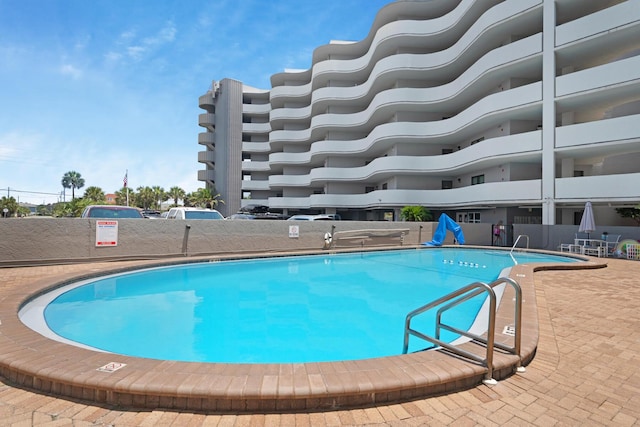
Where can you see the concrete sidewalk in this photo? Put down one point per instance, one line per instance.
(585, 371)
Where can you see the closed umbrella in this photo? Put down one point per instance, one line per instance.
(588, 222)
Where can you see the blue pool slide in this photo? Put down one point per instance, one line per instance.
(446, 223)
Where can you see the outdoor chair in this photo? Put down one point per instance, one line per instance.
(612, 243)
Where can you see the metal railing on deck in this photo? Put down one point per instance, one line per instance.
(458, 297)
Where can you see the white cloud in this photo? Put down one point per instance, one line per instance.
(70, 70)
(136, 52)
(137, 48)
(113, 56)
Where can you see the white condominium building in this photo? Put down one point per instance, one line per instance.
(513, 110)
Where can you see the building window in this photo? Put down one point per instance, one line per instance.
(446, 185)
(478, 179)
(447, 150)
(473, 217)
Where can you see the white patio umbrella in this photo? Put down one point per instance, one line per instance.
(588, 222)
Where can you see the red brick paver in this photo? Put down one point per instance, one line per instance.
(585, 371)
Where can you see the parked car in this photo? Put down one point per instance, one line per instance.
(111, 211)
(153, 214)
(322, 217)
(254, 211)
(241, 216)
(193, 213)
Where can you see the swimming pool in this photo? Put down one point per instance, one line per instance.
(276, 310)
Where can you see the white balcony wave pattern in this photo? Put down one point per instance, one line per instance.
(520, 103)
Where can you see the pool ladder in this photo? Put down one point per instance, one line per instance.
(458, 297)
(518, 239)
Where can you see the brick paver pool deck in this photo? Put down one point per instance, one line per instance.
(585, 371)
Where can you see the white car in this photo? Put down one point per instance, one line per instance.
(193, 213)
(324, 217)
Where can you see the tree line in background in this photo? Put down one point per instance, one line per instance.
(144, 197)
(151, 198)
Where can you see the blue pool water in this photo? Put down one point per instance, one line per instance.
(287, 309)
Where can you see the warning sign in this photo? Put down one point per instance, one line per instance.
(106, 233)
(111, 367)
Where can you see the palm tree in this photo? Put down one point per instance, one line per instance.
(176, 193)
(204, 196)
(95, 195)
(72, 180)
(145, 197)
(10, 204)
(160, 195)
(415, 213)
(121, 196)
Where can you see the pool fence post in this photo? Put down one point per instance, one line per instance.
(185, 239)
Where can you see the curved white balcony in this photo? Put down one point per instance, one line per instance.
(453, 96)
(601, 188)
(523, 103)
(290, 158)
(206, 101)
(289, 77)
(207, 157)
(257, 109)
(207, 138)
(389, 13)
(513, 148)
(518, 143)
(488, 30)
(488, 194)
(491, 26)
(207, 120)
(612, 80)
(434, 34)
(254, 166)
(280, 94)
(253, 185)
(599, 24)
(520, 58)
(207, 175)
(256, 128)
(256, 147)
(602, 136)
(277, 116)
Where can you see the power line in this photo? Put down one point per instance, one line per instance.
(28, 192)
(31, 195)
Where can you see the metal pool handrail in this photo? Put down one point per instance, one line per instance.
(518, 239)
(457, 297)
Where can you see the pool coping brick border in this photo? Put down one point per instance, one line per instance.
(34, 362)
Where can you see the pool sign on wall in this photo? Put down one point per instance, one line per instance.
(106, 233)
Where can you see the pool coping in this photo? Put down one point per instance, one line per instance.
(32, 361)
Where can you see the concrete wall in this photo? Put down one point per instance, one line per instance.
(51, 240)
(35, 240)
(550, 237)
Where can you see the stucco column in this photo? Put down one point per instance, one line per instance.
(548, 113)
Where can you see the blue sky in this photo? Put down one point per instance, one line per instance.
(105, 86)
